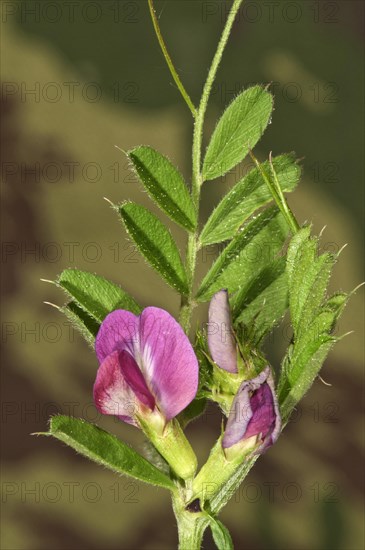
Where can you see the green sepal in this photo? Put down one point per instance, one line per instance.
(217, 470)
(219, 385)
(224, 387)
(172, 444)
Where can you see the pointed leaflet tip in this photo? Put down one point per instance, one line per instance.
(324, 382)
(346, 334)
(110, 202)
(341, 249)
(48, 281)
(322, 231)
(52, 305)
(120, 149)
(357, 287)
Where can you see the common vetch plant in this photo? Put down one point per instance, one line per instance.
(150, 374)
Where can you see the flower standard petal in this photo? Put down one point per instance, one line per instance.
(255, 412)
(169, 364)
(118, 331)
(221, 342)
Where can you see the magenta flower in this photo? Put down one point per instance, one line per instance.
(255, 416)
(221, 341)
(147, 364)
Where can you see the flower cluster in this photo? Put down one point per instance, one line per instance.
(254, 416)
(148, 374)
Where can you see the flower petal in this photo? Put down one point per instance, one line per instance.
(118, 331)
(221, 342)
(169, 364)
(134, 378)
(112, 394)
(239, 417)
(263, 416)
(255, 411)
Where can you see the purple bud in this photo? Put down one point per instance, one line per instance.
(255, 414)
(221, 341)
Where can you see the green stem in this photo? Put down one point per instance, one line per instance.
(289, 214)
(169, 62)
(191, 526)
(187, 302)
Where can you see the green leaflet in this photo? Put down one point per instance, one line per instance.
(165, 185)
(245, 197)
(221, 535)
(248, 252)
(320, 326)
(238, 130)
(87, 325)
(94, 294)
(106, 450)
(309, 276)
(262, 302)
(291, 392)
(156, 244)
(318, 282)
(313, 318)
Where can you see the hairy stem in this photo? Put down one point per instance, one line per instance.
(187, 302)
(191, 524)
(169, 62)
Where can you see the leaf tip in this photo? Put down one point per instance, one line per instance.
(120, 149)
(48, 281)
(324, 382)
(341, 250)
(52, 305)
(111, 203)
(357, 288)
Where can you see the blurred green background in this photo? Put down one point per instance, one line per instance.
(80, 77)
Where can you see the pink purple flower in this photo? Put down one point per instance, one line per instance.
(255, 414)
(147, 364)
